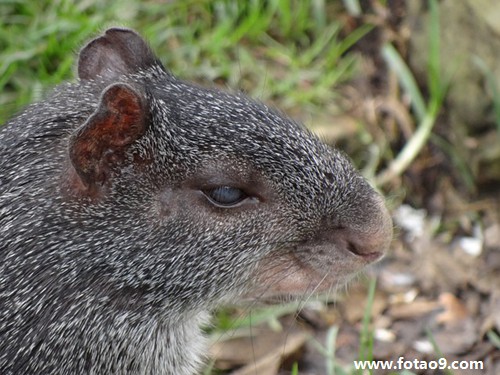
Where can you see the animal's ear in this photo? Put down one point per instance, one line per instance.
(119, 51)
(99, 146)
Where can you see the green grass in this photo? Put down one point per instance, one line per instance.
(426, 113)
(284, 52)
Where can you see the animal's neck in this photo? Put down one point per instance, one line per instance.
(158, 348)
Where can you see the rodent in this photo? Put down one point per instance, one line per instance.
(134, 203)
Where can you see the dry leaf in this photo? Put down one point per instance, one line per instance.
(264, 351)
(454, 310)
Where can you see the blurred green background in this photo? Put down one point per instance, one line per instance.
(288, 52)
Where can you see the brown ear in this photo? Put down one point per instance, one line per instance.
(100, 144)
(119, 51)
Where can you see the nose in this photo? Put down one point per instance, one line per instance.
(371, 237)
(367, 233)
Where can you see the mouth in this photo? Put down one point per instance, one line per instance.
(295, 275)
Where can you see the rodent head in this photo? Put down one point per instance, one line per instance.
(211, 195)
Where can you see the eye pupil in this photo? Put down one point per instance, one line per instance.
(225, 195)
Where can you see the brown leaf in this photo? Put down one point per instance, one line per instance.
(454, 310)
(412, 310)
(259, 354)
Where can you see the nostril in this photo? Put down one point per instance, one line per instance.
(368, 252)
(366, 245)
(352, 248)
(362, 245)
(369, 241)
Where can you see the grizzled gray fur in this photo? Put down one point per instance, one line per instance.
(133, 203)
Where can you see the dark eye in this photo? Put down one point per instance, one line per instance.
(226, 196)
